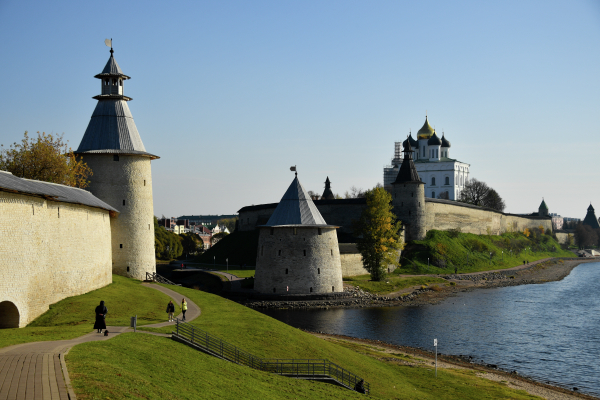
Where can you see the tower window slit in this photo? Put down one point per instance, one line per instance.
(286, 271)
(331, 251)
(272, 231)
(319, 271)
(320, 232)
(304, 253)
(121, 246)
(144, 182)
(123, 202)
(116, 157)
(295, 231)
(311, 289)
(279, 253)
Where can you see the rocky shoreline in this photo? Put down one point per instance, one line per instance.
(541, 271)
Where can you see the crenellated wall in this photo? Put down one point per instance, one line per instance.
(49, 251)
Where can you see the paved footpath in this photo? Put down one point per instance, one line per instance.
(38, 370)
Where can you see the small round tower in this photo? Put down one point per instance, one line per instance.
(113, 149)
(298, 252)
(408, 197)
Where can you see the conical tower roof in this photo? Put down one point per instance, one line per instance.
(590, 218)
(112, 128)
(112, 68)
(408, 171)
(327, 193)
(543, 206)
(296, 208)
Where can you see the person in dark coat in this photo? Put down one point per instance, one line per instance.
(171, 310)
(101, 312)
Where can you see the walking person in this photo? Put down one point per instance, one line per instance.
(170, 310)
(183, 307)
(101, 312)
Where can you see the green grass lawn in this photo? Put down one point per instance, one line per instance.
(392, 283)
(138, 365)
(74, 316)
(443, 251)
(240, 273)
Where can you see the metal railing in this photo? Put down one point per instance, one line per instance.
(153, 276)
(318, 369)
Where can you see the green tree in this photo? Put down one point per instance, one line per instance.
(191, 243)
(378, 232)
(167, 245)
(46, 158)
(229, 223)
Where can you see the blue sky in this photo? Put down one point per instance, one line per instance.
(231, 94)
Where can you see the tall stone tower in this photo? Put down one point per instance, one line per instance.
(408, 197)
(298, 252)
(113, 149)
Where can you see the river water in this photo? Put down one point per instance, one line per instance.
(549, 332)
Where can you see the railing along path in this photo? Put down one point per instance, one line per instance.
(153, 276)
(318, 369)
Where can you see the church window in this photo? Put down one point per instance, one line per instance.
(433, 181)
(447, 180)
(433, 195)
(120, 82)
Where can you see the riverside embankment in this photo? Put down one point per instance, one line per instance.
(541, 271)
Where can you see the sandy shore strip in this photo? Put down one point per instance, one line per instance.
(422, 358)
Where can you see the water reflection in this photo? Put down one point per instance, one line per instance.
(550, 332)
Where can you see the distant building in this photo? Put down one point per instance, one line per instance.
(444, 177)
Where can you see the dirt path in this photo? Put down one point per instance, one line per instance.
(38, 371)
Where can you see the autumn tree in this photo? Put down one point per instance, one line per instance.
(46, 158)
(378, 232)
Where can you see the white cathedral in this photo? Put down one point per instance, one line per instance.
(444, 177)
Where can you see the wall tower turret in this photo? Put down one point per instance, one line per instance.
(408, 197)
(113, 149)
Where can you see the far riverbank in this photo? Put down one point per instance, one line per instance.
(541, 271)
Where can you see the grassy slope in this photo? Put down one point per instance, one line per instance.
(471, 253)
(392, 283)
(74, 316)
(269, 338)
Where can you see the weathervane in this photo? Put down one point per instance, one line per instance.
(294, 169)
(108, 43)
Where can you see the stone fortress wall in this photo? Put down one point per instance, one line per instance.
(439, 215)
(282, 249)
(49, 250)
(126, 185)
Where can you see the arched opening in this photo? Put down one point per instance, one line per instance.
(311, 290)
(9, 315)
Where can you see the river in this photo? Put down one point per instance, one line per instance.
(549, 332)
